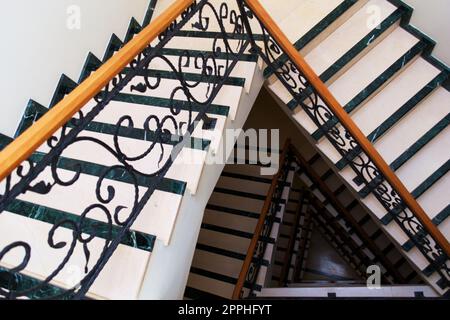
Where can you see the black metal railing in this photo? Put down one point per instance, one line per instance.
(263, 240)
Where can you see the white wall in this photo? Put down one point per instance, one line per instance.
(37, 47)
(433, 18)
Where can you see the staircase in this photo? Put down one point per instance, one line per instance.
(116, 202)
(229, 222)
(386, 80)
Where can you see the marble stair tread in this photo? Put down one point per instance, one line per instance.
(230, 221)
(347, 35)
(187, 166)
(227, 96)
(426, 161)
(125, 268)
(139, 114)
(245, 183)
(384, 105)
(224, 241)
(238, 202)
(217, 263)
(154, 219)
(408, 130)
(317, 52)
(244, 169)
(206, 284)
(304, 16)
(411, 140)
(435, 200)
(372, 66)
(243, 70)
(277, 12)
(202, 44)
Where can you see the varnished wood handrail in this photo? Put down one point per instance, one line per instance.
(28, 142)
(348, 123)
(260, 225)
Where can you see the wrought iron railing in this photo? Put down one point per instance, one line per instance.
(64, 126)
(248, 277)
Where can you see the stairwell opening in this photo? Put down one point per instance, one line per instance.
(332, 251)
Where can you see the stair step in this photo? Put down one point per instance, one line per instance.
(157, 222)
(234, 222)
(126, 265)
(348, 43)
(244, 183)
(399, 116)
(224, 241)
(229, 95)
(217, 263)
(369, 74)
(238, 201)
(311, 14)
(134, 239)
(353, 39)
(222, 289)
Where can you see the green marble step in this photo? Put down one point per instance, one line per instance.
(89, 168)
(249, 57)
(423, 187)
(398, 115)
(94, 169)
(214, 109)
(34, 111)
(91, 64)
(67, 85)
(92, 227)
(133, 28)
(114, 45)
(314, 32)
(216, 34)
(194, 77)
(149, 13)
(373, 87)
(134, 239)
(19, 282)
(437, 221)
(364, 43)
(413, 149)
(4, 141)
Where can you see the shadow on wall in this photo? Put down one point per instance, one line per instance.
(267, 114)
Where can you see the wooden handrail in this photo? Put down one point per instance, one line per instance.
(347, 122)
(30, 140)
(260, 225)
